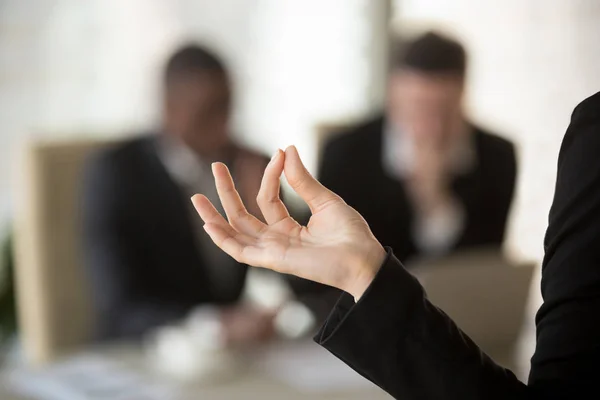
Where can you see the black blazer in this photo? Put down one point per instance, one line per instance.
(352, 167)
(141, 250)
(396, 338)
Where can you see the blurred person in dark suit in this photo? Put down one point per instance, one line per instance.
(426, 179)
(150, 261)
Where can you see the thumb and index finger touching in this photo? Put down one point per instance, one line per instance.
(240, 244)
(304, 184)
(301, 181)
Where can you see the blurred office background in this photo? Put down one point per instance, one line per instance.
(90, 69)
(72, 68)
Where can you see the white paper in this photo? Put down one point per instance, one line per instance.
(86, 378)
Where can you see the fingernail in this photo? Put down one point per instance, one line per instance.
(275, 155)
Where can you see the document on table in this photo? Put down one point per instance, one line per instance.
(308, 367)
(86, 378)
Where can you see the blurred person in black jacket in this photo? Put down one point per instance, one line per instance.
(426, 179)
(150, 261)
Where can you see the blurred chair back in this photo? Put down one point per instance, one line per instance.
(53, 304)
(485, 294)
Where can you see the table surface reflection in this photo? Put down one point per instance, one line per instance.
(256, 380)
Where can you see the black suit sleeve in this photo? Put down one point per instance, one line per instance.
(115, 256)
(400, 341)
(396, 338)
(568, 323)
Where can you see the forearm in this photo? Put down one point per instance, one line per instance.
(396, 338)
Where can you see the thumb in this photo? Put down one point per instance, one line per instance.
(303, 183)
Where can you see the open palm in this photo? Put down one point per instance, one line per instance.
(336, 248)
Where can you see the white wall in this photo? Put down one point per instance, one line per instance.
(71, 67)
(531, 63)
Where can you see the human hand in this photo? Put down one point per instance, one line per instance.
(336, 247)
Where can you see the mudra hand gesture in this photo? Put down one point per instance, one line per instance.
(336, 248)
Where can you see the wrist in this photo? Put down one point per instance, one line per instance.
(364, 267)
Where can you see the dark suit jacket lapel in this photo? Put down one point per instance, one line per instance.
(168, 196)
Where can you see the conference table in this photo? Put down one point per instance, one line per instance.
(301, 369)
(287, 371)
(283, 371)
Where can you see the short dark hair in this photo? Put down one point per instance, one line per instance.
(192, 58)
(432, 52)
